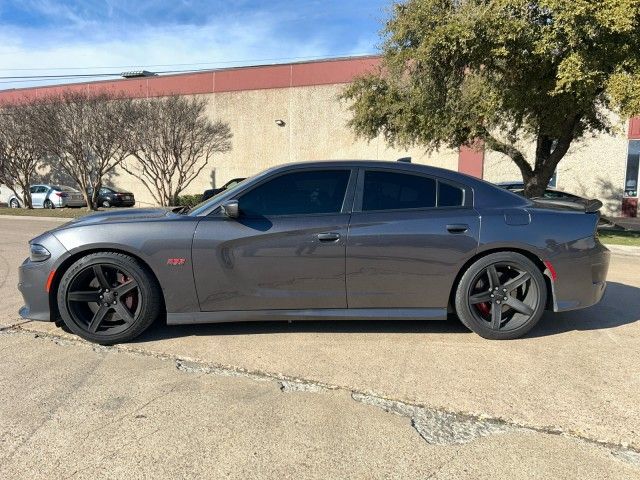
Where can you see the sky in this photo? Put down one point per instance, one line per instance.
(77, 37)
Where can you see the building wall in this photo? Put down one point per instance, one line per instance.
(315, 129)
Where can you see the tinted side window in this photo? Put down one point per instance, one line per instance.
(392, 191)
(300, 193)
(450, 196)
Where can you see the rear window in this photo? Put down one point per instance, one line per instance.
(397, 191)
(450, 195)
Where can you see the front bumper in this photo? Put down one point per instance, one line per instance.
(33, 277)
(581, 277)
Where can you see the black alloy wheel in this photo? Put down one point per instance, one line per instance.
(501, 296)
(108, 298)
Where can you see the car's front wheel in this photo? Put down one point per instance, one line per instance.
(106, 203)
(501, 296)
(108, 298)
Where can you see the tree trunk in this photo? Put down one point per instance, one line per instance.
(88, 198)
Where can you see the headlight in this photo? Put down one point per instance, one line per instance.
(37, 253)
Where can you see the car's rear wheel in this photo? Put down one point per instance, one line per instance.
(108, 298)
(14, 203)
(48, 204)
(501, 296)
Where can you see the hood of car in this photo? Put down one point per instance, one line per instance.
(120, 216)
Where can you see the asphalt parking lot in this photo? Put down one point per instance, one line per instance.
(322, 400)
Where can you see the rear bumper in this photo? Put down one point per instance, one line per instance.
(123, 203)
(72, 203)
(581, 278)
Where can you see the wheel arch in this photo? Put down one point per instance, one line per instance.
(538, 262)
(71, 259)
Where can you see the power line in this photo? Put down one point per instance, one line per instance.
(217, 62)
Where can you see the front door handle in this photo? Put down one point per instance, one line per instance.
(457, 228)
(328, 237)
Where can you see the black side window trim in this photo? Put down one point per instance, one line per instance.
(467, 192)
(347, 202)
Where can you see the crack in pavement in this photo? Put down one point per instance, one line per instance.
(438, 427)
(435, 425)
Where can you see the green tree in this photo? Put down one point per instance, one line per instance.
(550, 72)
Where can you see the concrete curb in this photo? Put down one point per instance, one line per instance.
(41, 219)
(626, 250)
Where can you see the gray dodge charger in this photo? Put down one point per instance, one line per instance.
(332, 240)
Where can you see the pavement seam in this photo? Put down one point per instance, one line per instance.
(412, 410)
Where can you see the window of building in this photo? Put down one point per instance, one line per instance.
(395, 191)
(298, 193)
(631, 177)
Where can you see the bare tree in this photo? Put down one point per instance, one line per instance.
(20, 152)
(173, 142)
(88, 134)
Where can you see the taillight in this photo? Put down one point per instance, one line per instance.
(62, 194)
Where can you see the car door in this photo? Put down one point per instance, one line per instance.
(38, 193)
(286, 250)
(409, 235)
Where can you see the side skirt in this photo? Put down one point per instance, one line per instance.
(314, 314)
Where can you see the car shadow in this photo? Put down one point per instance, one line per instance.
(620, 306)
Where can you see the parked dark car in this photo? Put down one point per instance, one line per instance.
(114, 197)
(333, 240)
(214, 191)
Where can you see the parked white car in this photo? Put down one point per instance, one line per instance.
(51, 196)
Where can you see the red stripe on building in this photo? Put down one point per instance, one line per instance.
(324, 72)
(471, 160)
(634, 128)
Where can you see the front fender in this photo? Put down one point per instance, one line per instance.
(164, 246)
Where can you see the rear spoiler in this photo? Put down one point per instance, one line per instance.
(588, 206)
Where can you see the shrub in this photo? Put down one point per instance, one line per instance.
(188, 200)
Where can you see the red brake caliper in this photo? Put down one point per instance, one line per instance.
(485, 308)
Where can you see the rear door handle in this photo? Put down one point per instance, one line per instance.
(457, 227)
(328, 236)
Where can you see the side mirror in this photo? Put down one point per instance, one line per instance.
(231, 209)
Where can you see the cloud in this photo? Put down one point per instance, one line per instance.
(121, 34)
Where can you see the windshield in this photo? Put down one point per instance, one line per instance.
(202, 205)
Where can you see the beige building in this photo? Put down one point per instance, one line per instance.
(287, 113)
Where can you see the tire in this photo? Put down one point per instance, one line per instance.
(48, 204)
(106, 204)
(108, 298)
(501, 296)
(14, 203)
